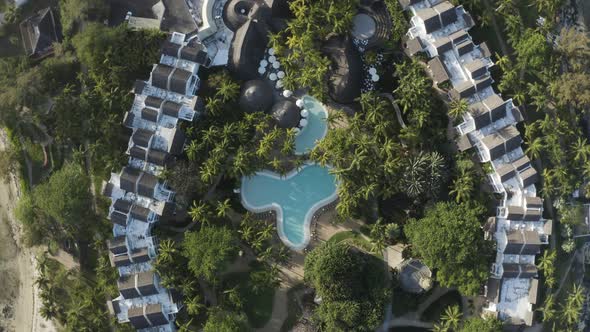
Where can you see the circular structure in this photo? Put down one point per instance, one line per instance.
(261, 70)
(281, 74)
(299, 103)
(256, 96)
(272, 76)
(276, 65)
(415, 277)
(375, 78)
(287, 94)
(271, 51)
(363, 26)
(372, 71)
(236, 13)
(279, 84)
(286, 114)
(272, 58)
(302, 123)
(263, 63)
(304, 113)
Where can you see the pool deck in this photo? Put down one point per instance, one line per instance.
(279, 211)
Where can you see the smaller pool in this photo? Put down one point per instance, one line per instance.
(295, 198)
(316, 128)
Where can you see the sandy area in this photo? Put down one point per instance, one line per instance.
(19, 303)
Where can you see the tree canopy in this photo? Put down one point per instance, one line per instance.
(209, 250)
(450, 240)
(351, 284)
(220, 320)
(59, 207)
(74, 12)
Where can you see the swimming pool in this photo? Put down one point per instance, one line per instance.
(295, 198)
(316, 128)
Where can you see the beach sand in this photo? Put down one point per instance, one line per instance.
(19, 300)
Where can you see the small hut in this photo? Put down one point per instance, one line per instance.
(256, 96)
(286, 114)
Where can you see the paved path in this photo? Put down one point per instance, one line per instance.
(402, 321)
(503, 45)
(279, 312)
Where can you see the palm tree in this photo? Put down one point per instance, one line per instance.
(581, 149)
(462, 188)
(266, 254)
(571, 312)
(451, 317)
(546, 263)
(457, 108)
(548, 308)
(535, 148)
(191, 150)
(228, 89)
(440, 328)
(233, 295)
(577, 295)
(194, 305)
(185, 327)
(199, 212)
(266, 232)
(167, 250)
(223, 208)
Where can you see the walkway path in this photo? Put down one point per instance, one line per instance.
(279, 311)
(499, 35)
(402, 321)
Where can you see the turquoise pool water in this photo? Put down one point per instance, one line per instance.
(295, 198)
(316, 128)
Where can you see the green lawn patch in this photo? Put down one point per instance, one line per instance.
(355, 239)
(437, 308)
(258, 307)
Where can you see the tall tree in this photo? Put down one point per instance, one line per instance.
(447, 238)
(208, 251)
(351, 284)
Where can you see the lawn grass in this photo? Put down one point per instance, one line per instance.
(293, 308)
(437, 308)
(355, 239)
(257, 307)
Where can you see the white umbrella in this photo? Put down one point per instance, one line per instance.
(303, 123)
(304, 113)
(279, 84)
(263, 63)
(276, 65)
(375, 78)
(281, 74)
(271, 51)
(287, 93)
(261, 70)
(272, 59)
(372, 71)
(273, 77)
(299, 103)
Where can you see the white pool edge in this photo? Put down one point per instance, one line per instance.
(279, 211)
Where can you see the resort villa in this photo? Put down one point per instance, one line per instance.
(139, 199)
(440, 30)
